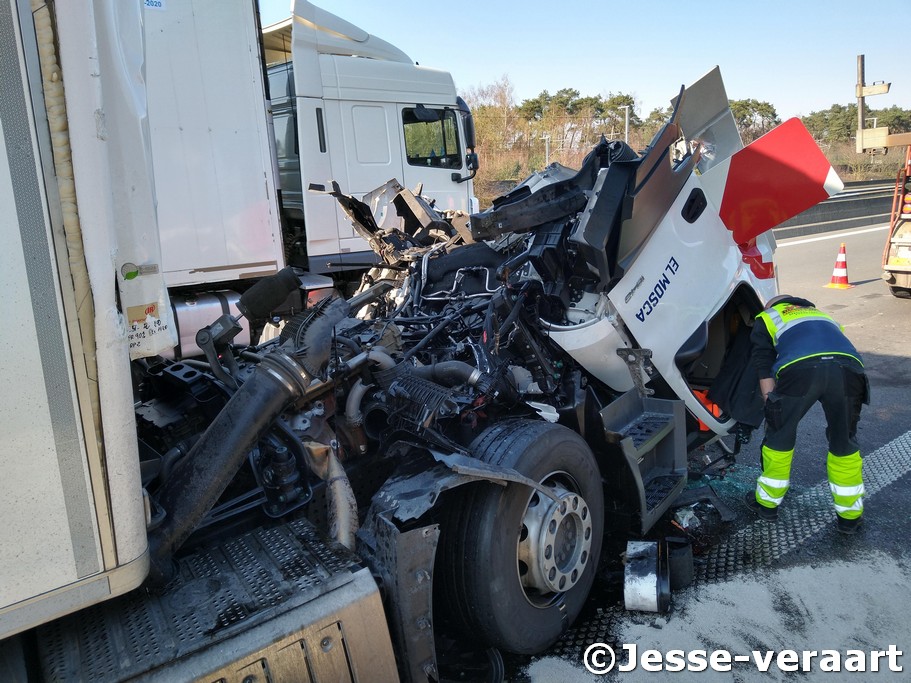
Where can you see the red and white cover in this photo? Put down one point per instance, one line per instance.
(770, 180)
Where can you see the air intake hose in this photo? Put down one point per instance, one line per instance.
(201, 477)
(452, 372)
(449, 373)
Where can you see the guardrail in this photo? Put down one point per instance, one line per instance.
(867, 202)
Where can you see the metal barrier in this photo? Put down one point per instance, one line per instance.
(867, 202)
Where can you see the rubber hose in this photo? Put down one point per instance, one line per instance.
(381, 357)
(452, 372)
(356, 394)
(448, 373)
(258, 302)
(313, 339)
(197, 480)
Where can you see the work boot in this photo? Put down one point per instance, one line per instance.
(767, 514)
(849, 526)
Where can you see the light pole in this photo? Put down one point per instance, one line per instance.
(625, 108)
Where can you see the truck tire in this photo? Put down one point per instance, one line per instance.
(900, 292)
(517, 566)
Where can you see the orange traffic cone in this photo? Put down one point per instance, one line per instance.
(840, 274)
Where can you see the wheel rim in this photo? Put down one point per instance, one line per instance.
(555, 541)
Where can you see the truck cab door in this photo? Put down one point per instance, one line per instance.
(434, 151)
(351, 142)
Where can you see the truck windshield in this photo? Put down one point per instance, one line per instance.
(431, 143)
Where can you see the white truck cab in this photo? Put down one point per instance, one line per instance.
(352, 108)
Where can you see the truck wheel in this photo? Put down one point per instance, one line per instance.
(900, 292)
(518, 565)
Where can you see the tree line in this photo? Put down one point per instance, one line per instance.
(516, 139)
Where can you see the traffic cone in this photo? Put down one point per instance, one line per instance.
(840, 274)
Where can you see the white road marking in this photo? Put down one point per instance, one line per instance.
(790, 242)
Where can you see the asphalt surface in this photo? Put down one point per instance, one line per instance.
(804, 543)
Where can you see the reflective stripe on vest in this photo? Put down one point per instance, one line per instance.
(780, 325)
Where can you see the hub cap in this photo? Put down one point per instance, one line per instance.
(555, 541)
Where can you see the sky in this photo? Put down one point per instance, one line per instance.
(801, 56)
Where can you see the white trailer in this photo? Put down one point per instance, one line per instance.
(87, 290)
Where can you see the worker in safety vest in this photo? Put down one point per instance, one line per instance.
(802, 356)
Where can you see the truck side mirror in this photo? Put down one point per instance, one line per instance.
(471, 163)
(467, 123)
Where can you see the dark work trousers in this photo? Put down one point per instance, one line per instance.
(839, 383)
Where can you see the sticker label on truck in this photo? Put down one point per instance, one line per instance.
(147, 330)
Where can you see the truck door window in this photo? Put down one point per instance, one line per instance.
(280, 83)
(285, 135)
(431, 142)
(284, 113)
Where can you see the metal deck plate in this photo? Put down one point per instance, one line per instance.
(219, 593)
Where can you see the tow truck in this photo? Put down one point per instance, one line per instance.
(896, 261)
(897, 250)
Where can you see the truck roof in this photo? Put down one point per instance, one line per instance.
(327, 34)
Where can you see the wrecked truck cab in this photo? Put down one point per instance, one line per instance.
(646, 272)
(685, 226)
(496, 384)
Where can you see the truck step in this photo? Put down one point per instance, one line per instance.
(659, 488)
(647, 430)
(650, 434)
(274, 604)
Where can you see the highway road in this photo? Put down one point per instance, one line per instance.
(796, 584)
